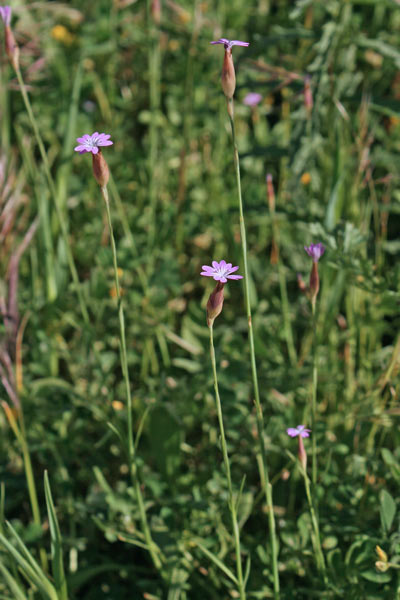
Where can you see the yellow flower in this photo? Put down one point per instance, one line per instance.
(62, 34)
(305, 178)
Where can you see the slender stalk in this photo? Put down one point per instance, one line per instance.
(314, 396)
(154, 92)
(231, 501)
(319, 555)
(30, 480)
(133, 469)
(264, 476)
(54, 194)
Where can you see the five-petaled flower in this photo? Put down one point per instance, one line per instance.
(229, 43)
(300, 430)
(252, 99)
(91, 143)
(315, 251)
(5, 14)
(220, 271)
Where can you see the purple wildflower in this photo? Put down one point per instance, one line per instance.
(315, 251)
(229, 43)
(5, 14)
(91, 143)
(299, 430)
(220, 271)
(252, 99)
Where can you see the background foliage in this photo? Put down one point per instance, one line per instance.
(155, 88)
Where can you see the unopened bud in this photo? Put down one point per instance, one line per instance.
(156, 11)
(382, 566)
(308, 99)
(274, 255)
(11, 47)
(215, 303)
(228, 77)
(302, 454)
(314, 283)
(100, 169)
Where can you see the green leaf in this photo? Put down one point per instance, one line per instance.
(217, 561)
(372, 575)
(12, 584)
(56, 543)
(388, 510)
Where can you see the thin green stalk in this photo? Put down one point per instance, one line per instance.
(154, 92)
(320, 560)
(231, 501)
(133, 469)
(54, 194)
(20, 434)
(264, 476)
(314, 396)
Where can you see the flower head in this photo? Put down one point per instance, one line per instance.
(252, 99)
(5, 14)
(220, 271)
(229, 43)
(91, 143)
(299, 430)
(315, 251)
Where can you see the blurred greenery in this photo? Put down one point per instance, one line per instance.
(155, 87)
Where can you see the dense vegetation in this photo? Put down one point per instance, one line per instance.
(326, 127)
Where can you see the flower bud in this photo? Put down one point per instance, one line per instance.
(215, 303)
(382, 566)
(228, 77)
(100, 169)
(314, 283)
(11, 46)
(302, 454)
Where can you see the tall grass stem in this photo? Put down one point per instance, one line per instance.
(264, 476)
(133, 469)
(52, 187)
(231, 501)
(320, 560)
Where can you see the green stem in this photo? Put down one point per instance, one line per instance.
(319, 555)
(231, 501)
(314, 396)
(30, 480)
(133, 469)
(54, 194)
(264, 476)
(154, 92)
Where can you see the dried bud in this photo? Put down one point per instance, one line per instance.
(228, 77)
(302, 454)
(11, 46)
(270, 193)
(215, 303)
(301, 283)
(314, 283)
(381, 554)
(100, 169)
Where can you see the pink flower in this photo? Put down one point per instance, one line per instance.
(252, 99)
(229, 43)
(5, 14)
(299, 430)
(91, 143)
(315, 251)
(220, 271)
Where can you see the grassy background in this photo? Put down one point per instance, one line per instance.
(155, 88)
